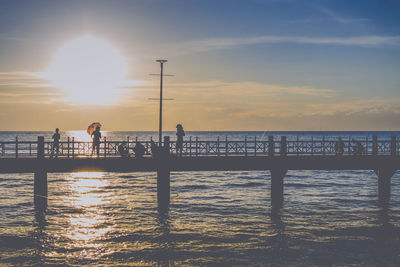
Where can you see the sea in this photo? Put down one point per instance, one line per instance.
(221, 218)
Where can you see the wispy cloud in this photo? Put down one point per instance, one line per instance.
(246, 89)
(26, 87)
(225, 43)
(11, 38)
(336, 17)
(21, 79)
(207, 105)
(242, 101)
(365, 106)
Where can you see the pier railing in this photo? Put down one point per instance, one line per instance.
(194, 147)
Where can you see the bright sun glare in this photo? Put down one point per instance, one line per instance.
(90, 70)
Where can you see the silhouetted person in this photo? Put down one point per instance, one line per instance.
(155, 149)
(139, 150)
(180, 133)
(358, 148)
(96, 135)
(56, 143)
(123, 150)
(339, 147)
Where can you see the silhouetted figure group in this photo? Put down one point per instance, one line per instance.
(123, 149)
(357, 148)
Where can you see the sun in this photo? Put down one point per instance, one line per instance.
(89, 70)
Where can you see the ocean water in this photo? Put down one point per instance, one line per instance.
(214, 218)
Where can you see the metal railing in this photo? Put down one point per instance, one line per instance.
(194, 147)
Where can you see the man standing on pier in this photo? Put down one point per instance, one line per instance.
(56, 143)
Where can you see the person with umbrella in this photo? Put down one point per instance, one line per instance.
(96, 136)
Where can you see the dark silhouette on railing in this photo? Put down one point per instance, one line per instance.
(139, 150)
(123, 150)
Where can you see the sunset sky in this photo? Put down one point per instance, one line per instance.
(238, 65)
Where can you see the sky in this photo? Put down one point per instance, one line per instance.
(238, 65)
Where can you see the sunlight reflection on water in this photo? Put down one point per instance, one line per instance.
(91, 224)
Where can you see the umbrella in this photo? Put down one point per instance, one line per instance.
(92, 127)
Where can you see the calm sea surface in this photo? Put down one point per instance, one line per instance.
(215, 218)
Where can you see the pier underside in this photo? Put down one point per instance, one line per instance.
(204, 163)
(384, 167)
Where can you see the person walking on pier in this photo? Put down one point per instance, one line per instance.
(96, 135)
(180, 133)
(56, 143)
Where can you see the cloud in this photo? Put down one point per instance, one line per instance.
(210, 44)
(207, 105)
(214, 103)
(249, 105)
(336, 17)
(365, 106)
(21, 79)
(33, 87)
(12, 38)
(243, 89)
(20, 87)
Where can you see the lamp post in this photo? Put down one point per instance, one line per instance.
(162, 61)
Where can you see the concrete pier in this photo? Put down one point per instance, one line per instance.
(40, 179)
(278, 156)
(163, 175)
(40, 190)
(163, 187)
(384, 183)
(277, 176)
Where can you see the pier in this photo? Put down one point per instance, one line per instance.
(278, 155)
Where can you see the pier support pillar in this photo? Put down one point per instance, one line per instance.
(40, 178)
(163, 187)
(271, 147)
(163, 176)
(384, 181)
(40, 190)
(277, 187)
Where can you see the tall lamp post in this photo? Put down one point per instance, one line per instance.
(162, 61)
